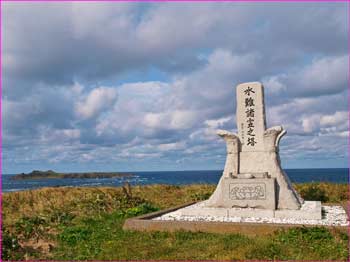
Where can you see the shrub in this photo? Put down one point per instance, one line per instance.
(11, 249)
(30, 226)
(75, 234)
(314, 192)
(140, 210)
(200, 196)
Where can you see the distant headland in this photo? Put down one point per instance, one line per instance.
(35, 174)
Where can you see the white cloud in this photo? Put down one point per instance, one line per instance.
(217, 123)
(325, 76)
(274, 84)
(311, 123)
(172, 146)
(49, 136)
(172, 69)
(326, 124)
(182, 119)
(343, 134)
(98, 100)
(335, 119)
(177, 120)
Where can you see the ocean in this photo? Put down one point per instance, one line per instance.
(333, 175)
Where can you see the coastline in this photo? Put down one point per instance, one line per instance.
(338, 175)
(35, 174)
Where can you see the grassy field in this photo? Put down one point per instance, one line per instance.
(86, 224)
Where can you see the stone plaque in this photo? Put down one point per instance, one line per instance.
(251, 116)
(245, 192)
(248, 191)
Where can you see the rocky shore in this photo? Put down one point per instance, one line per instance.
(52, 174)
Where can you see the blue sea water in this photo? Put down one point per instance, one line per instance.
(334, 175)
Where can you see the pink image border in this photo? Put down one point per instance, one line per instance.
(166, 1)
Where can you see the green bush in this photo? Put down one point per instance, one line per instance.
(11, 249)
(140, 210)
(75, 234)
(31, 226)
(314, 192)
(200, 196)
(60, 217)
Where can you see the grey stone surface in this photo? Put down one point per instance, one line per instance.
(224, 212)
(170, 221)
(309, 213)
(253, 154)
(246, 192)
(203, 211)
(250, 115)
(232, 147)
(309, 210)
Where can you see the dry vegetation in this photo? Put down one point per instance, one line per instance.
(85, 223)
(85, 201)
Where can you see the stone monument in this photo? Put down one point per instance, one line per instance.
(253, 189)
(253, 182)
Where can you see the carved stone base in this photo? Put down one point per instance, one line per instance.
(243, 192)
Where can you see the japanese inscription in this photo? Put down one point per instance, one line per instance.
(250, 116)
(249, 105)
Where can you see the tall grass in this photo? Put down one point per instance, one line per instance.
(85, 223)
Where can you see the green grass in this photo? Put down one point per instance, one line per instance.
(82, 241)
(86, 224)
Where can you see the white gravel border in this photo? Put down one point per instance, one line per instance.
(333, 216)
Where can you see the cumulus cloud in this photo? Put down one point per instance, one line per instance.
(178, 119)
(97, 101)
(116, 83)
(335, 119)
(335, 124)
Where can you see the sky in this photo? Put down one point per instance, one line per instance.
(144, 86)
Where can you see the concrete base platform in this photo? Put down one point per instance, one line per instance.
(309, 210)
(155, 222)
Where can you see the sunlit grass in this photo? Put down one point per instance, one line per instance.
(86, 223)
